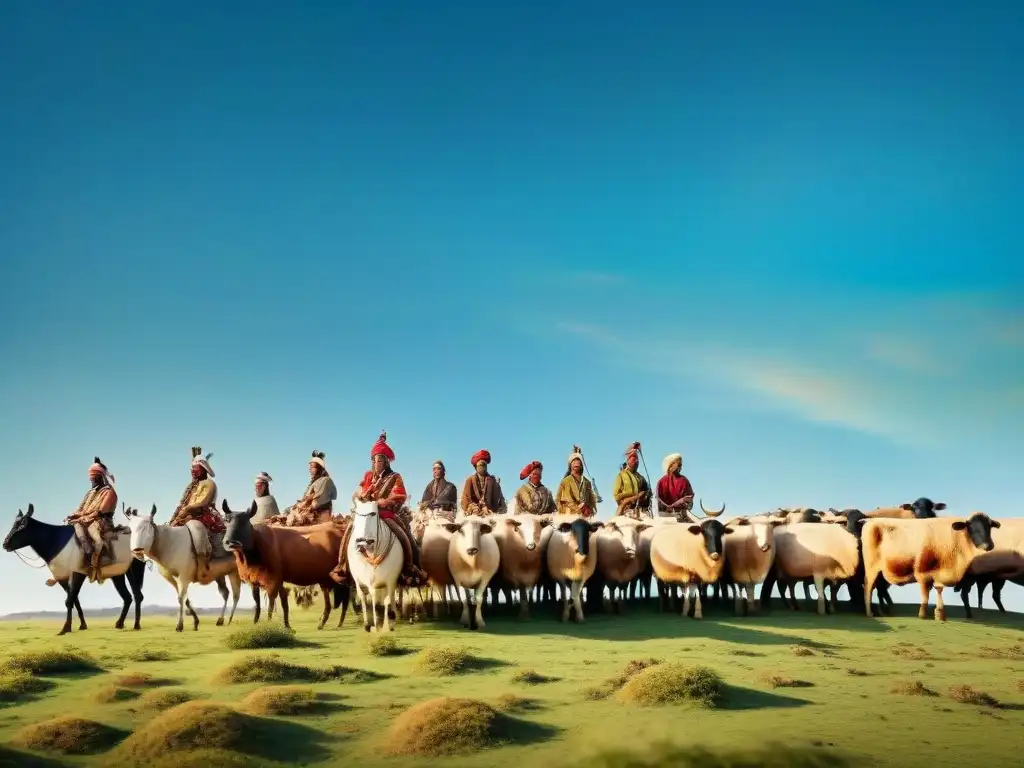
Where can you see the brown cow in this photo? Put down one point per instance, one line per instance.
(571, 560)
(271, 556)
(749, 555)
(522, 554)
(618, 556)
(933, 552)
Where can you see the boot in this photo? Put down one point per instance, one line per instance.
(202, 567)
(94, 570)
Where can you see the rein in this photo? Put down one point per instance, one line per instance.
(23, 559)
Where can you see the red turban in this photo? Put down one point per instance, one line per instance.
(528, 469)
(481, 455)
(633, 449)
(381, 448)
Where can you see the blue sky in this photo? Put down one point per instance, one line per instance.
(780, 241)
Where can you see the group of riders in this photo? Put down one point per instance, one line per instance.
(482, 495)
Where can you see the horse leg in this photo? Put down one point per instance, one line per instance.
(284, 608)
(365, 606)
(222, 587)
(374, 604)
(390, 616)
(327, 590)
(256, 599)
(78, 607)
(136, 578)
(126, 599)
(236, 593)
(182, 589)
(77, 580)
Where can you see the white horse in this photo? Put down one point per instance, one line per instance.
(375, 558)
(170, 547)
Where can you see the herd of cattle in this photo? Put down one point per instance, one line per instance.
(577, 562)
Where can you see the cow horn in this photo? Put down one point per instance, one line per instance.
(711, 513)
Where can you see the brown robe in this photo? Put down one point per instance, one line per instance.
(482, 492)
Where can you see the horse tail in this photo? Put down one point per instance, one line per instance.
(341, 599)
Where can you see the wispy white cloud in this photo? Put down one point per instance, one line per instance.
(903, 379)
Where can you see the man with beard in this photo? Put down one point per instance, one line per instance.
(675, 494)
(481, 494)
(94, 518)
(631, 490)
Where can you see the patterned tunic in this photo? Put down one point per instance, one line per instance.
(97, 502)
(535, 499)
(202, 499)
(629, 483)
(576, 497)
(388, 491)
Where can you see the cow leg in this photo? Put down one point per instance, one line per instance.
(78, 607)
(686, 600)
(698, 612)
(74, 587)
(576, 599)
(926, 588)
(236, 593)
(271, 602)
(819, 587)
(981, 592)
(222, 587)
(997, 594)
(181, 587)
(478, 618)
(284, 608)
(940, 606)
(965, 596)
(869, 587)
(524, 603)
(256, 599)
(566, 602)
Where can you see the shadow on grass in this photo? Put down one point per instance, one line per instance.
(516, 730)
(742, 699)
(14, 758)
(286, 742)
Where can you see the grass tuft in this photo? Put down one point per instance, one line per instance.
(261, 636)
(801, 650)
(910, 652)
(190, 726)
(447, 727)
(674, 684)
(531, 677)
(19, 686)
(613, 684)
(272, 669)
(778, 681)
(148, 654)
(445, 660)
(141, 680)
(114, 694)
(69, 736)
(965, 694)
(1013, 652)
(913, 688)
(386, 645)
(280, 700)
(165, 698)
(50, 663)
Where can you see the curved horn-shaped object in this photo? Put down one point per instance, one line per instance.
(711, 513)
(152, 512)
(31, 510)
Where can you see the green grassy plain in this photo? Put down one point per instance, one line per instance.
(881, 692)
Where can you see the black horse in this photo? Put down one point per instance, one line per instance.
(49, 542)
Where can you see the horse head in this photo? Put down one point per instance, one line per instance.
(366, 526)
(143, 531)
(18, 536)
(238, 532)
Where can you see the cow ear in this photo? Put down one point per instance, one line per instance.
(565, 527)
(959, 525)
(487, 528)
(152, 512)
(545, 522)
(695, 530)
(995, 524)
(31, 510)
(594, 527)
(727, 529)
(940, 506)
(224, 506)
(908, 506)
(452, 527)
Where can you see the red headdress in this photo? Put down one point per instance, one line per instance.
(633, 450)
(381, 448)
(481, 455)
(528, 469)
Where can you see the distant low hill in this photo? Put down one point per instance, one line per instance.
(147, 610)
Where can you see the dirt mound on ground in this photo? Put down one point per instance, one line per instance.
(186, 727)
(448, 726)
(68, 735)
(674, 684)
(281, 700)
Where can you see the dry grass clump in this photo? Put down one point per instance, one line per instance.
(965, 694)
(281, 700)
(261, 636)
(447, 726)
(857, 672)
(910, 652)
(687, 756)
(674, 684)
(1020, 685)
(165, 698)
(386, 645)
(613, 684)
(149, 655)
(509, 702)
(272, 669)
(114, 694)
(186, 727)
(445, 660)
(50, 663)
(1013, 652)
(68, 735)
(19, 686)
(801, 650)
(531, 677)
(141, 680)
(741, 652)
(778, 681)
(913, 688)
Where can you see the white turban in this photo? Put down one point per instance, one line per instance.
(669, 459)
(204, 462)
(263, 477)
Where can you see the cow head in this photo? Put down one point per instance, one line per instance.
(466, 533)
(20, 534)
(366, 525)
(628, 531)
(978, 528)
(924, 507)
(712, 529)
(525, 526)
(577, 533)
(143, 528)
(239, 530)
(762, 528)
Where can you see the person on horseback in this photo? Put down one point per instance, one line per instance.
(199, 502)
(481, 494)
(533, 497)
(386, 487)
(440, 496)
(266, 504)
(576, 493)
(317, 502)
(94, 518)
(631, 490)
(675, 493)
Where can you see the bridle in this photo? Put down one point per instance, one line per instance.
(375, 559)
